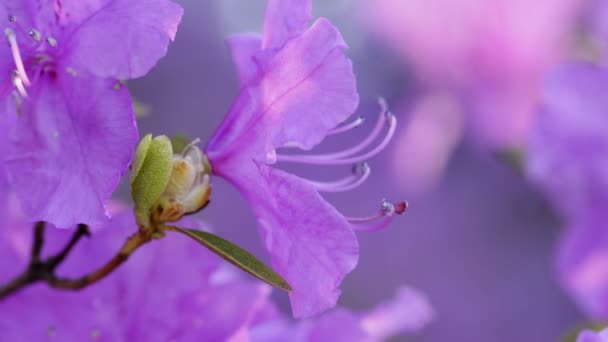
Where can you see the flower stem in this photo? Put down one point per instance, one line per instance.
(44, 271)
(134, 242)
(38, 241)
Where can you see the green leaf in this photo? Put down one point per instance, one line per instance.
(235, 255)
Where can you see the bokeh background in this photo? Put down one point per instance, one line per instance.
(463, 78)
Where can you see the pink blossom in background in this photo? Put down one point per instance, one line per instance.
(426, 142)
(491, 53)
(568, 160)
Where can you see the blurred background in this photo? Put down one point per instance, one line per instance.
(463, 78)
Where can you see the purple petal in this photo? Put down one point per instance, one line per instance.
(285, 19)
(124, 39)
(568, 152)
(243, 47)
(70, 147)
(311, 244)
(583, 263)
(593, 336)
(306, 88)
(409, 311)
(160, 294)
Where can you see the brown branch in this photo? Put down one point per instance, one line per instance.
(57, 259)
(38, 241)
(135, 241)
(45, 270)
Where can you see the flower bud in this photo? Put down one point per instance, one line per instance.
(150, 174)
(178, 185)
(188, 189)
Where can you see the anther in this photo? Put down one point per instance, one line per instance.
(12, 40)
(34, 34)
(390, 208)
(360, 173)
(51, 41)
(360, 168)
(387, 211)
(12, 18)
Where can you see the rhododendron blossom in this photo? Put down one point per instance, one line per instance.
(69, 120)
(297, 87)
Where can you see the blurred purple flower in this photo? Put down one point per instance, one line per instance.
(491, 53)
(297, 86)
(568, 159)
(568, 150)
(408, 312)
(161, 295)
(583, 263)
(158, 295)
(76, 131)
(593, 336)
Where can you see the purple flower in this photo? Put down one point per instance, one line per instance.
(583, 263)
(75, 131)
(492, 55)
(568, 159)
(297, 86)
(568, 149)
(593, 336)
(158, 295)
(408, 312)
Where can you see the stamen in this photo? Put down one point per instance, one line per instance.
(18, 103)
(347, 127)
(345, 157)
(18, 83)
(190, 145)
(387, 211)
(34, 34)
(12, 40)
(51, 41)
(359, 175)
(359, 147)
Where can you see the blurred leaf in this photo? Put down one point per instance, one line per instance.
(141, 109)
(512, 157)
(235, 255)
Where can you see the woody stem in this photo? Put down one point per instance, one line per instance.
(44, 271)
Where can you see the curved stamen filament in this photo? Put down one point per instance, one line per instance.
(12, 40)
(387, 211)
(347, 127)
(18, 83)
(360, 174)
(350, 151)
(344, 157)
(374, 227)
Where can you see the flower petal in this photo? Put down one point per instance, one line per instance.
(306, 88)
(568, 150)
(124, 38)
(70, 147)
(311, 244)
(285, 19)
(160, 294)
(243, 47)
(583, 263)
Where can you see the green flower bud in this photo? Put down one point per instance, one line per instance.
(150, 174)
